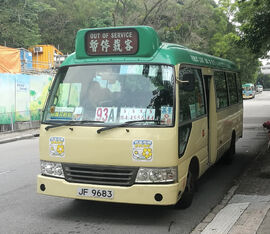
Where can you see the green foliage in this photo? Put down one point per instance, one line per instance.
(227, 46)
(254, 16)
(60, 23)
(18, 22)
(191, 24)
(264, 80)
(202, 25)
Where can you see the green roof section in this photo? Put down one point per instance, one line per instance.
(247, 85)
(147, 49)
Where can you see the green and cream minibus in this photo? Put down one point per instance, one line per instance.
(129, 119)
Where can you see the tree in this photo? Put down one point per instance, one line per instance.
(60, 23)
(202, 25)
(264, 79)
(193, 24)
(228, 44)
(18, 22)
(254, 16)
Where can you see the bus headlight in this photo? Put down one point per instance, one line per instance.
(51, 169)
(156, 175)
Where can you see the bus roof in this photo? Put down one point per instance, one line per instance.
(136, 44)
(247, 84)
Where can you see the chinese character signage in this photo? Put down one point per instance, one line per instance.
(112, 42)
(130, 114)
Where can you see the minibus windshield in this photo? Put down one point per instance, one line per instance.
(107, 95)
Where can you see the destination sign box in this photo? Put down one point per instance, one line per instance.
(111, 42)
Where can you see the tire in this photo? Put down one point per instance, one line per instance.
(229, 155)
(187, 197)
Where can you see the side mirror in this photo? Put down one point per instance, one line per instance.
(187, 83)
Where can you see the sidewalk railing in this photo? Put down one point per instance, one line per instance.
(20, 120)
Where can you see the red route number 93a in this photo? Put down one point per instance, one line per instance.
(106, 114)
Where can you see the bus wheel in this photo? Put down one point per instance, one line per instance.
(229, 155)
(187, 197)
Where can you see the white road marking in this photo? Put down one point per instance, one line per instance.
(251, 219)
(226, 218)
(4, 172)
(241, 198)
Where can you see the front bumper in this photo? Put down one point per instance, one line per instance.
(135, 194)
(247, 97)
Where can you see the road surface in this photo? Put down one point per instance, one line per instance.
(22, 210)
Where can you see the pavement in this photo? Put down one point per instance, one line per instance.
(6, 137)
(245, 209)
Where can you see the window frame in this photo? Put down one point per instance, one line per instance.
(227, 90)
(235, 86)
(57, 81)
(203, 94)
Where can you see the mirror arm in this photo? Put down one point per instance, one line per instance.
(181, 81)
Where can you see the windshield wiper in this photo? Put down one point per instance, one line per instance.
(128, 123)
(71, 123)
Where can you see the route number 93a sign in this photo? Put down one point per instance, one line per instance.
(106, 114)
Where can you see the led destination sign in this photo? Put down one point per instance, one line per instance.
(111, 42)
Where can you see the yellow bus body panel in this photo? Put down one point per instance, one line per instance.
(84, 145)
(228, 120)
(113, 148)
(247, 97)
(135, 194)
(197, 147)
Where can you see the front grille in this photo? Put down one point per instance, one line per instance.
(103, 175)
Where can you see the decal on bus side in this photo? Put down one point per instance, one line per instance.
(142, 150)
(57, 146)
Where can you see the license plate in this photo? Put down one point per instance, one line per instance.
(97, 193)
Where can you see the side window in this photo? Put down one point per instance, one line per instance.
(221, 89)
(239, 88)
(232, 88)
(191, 95)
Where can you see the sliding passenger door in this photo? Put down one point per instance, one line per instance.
(211, 114)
